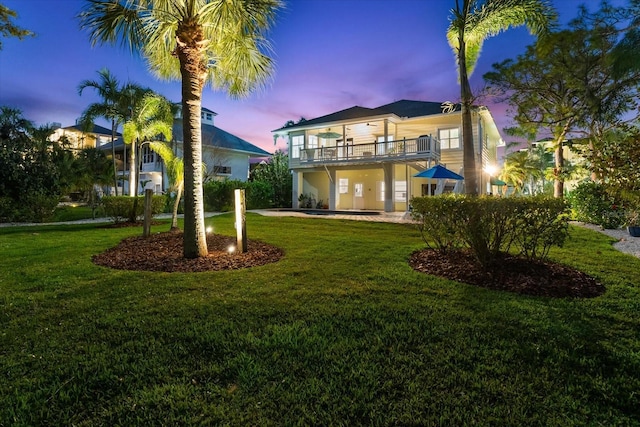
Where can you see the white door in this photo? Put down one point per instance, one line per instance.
(358, 195)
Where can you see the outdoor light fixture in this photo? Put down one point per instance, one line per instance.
(231, 249)
(209, 230)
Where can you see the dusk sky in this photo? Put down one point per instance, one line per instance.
(330, 55)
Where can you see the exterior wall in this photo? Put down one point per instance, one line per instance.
(391, 171)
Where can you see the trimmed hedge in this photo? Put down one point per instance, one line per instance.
(594, 203)
(120, 208)
(219, 195)
(34, 207)
(490, 225)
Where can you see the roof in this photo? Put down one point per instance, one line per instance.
(94, 129)
(211, 135)
(216, 137)
(402, 108)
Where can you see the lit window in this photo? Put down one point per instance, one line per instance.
(343, 185)
(400, 191)
(380, 191)
(449, 138)
(297, 143)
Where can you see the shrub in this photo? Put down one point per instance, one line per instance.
(592, 202)
(542, 222)
(31, 208)
(491, 225)
(120, 208)
(259, 195)
(445, 233)
(218, 195)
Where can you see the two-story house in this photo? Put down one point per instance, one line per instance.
(366, 158)
(225, 155)
(79, 137)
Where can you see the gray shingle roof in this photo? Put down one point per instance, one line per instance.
(403, 108)
(95, 129)
(214, 136)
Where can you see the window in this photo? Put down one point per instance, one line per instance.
(380, 191)
(222, 170)
(148, 156)
(449, 138)
(312, 141)
(209, 117)
(297, 142)
(343, 185)
(400, 191)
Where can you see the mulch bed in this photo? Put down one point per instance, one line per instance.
(510, 273)
(163, 252)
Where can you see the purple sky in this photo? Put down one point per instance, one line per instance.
(330, 55)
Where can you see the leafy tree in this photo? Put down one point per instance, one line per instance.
(116, 106)
(29, 176)
(175, 172)
(276, 173)
(198, 42)
(472, 22)
(566, 85)
(7, 28)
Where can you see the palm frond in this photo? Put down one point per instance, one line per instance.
(496, 16)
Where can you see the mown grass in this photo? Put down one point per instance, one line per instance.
(75, 212)
(340, 332)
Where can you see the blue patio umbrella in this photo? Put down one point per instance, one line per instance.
(438, 172)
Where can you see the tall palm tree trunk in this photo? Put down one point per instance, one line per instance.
(113, 156)
(466, 100)
(132, 171)
(176, 205)
(193, 72)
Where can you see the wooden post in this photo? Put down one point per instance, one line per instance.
(241, 230)
(148, 211)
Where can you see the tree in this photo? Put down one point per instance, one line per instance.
(92, 167)
(114, 107)
(149, 118)
(277, 175)
(563, 85)
(7, 28)
(29, 176)
(199, 42)
(472, 22)
(175, 172)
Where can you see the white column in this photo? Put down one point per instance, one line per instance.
(388, 187)
(296, 189)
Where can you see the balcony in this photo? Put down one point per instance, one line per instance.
(416, 149)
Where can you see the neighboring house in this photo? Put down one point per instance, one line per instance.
(80, 138)
(365, 158)
(226, 156)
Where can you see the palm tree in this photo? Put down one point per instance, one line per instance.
(472, 22)
(117, 104)
(175, 172)
(198, 41)
(149, 118)
(109, 90)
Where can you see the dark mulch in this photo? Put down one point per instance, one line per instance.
(163, 252)
(510, 273)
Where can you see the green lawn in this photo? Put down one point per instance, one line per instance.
(340, 332)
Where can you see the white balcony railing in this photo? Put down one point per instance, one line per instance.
(425, 147)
